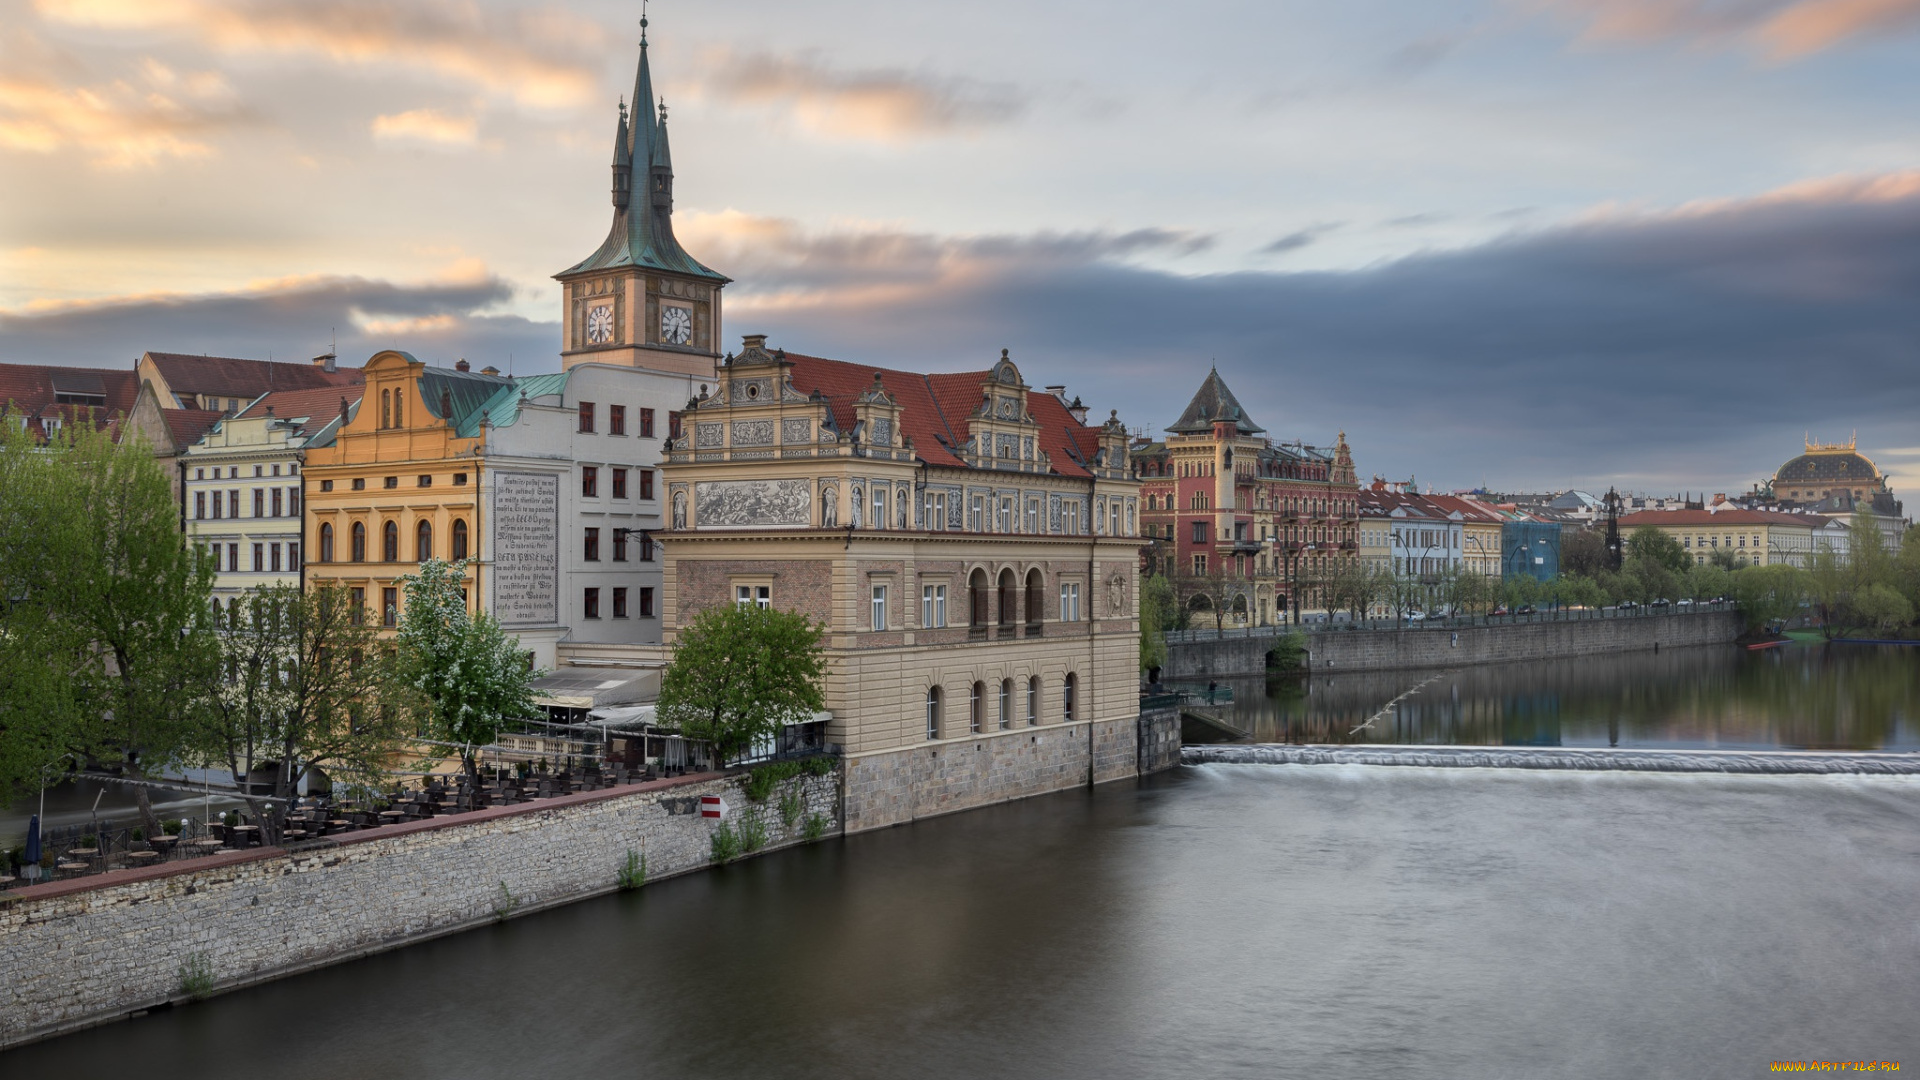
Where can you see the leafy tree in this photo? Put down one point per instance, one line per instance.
(1649, 544)
(1158, 612)
(307, 688)
(1726, 559)
(1769, 594)
(468, 674)
(1882, 608)
(741, 672)
(40, 659)
(1707, 581)
(1583, 552)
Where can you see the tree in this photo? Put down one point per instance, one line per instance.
(1882, 608)
(305, 687)
(1768, 594)
(468, 673)
(1583, 552)
(1649, 544)
(1158, 613)
(40, 659)
(741, 672)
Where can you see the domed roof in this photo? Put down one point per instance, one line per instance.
(1828, 465)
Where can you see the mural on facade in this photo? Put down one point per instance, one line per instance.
(526, 549)
(734, 504)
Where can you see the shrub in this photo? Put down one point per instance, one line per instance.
(753, 832)
(818, 766)
(726, 843)
(139, 834)
(789, 808)
(764, 778)
(633, 872)
(171, 826)
(816, 827)
(196, 976)
(504, 903)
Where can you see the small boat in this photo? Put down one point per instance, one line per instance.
(1755, 646)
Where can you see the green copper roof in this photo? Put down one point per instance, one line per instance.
(465, 393)
(642, 232)
(503, 408)
(1214, 402)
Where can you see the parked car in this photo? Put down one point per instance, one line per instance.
(1416, 616)
(1500, 610)
(1626, 605)
(1683, 602)
(1525, 609)
(1662, 602)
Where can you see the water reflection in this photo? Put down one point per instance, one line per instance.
(1814, 697)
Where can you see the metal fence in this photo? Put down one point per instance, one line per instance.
(1456, 622)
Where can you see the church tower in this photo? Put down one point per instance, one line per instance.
(641, 299)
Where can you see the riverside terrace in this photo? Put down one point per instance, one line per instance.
(105, 847)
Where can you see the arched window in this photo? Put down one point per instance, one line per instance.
(933, 713)
(326, 542)
(977, 600)
(1036, 600)
(977, 708)
(459, 540)
(390, 542)
(398, 421)
(1006, 704)
(1033, 701)
(386, 408)
(1066, 697)
(1009, 599)
(423, 542)
(359, 541)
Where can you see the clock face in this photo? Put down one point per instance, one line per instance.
(676, 325)
(600, 324)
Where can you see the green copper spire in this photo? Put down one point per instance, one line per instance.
(642, 232)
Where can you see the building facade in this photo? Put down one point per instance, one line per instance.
(1239, 521)
(969, 544)
(1749, 537)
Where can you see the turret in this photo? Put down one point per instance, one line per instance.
(622, 162)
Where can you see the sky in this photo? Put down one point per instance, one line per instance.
(1520, 244)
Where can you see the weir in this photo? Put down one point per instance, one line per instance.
(1594, 759)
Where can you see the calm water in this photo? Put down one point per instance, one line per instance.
(1841, 697)
(1221, 921)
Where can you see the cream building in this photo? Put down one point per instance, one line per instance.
(1751, 537)
(971, 547)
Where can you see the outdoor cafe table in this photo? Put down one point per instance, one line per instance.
(141, 858)
(243, 835)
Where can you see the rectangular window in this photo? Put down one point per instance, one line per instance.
(233, 558)
(1070, 600)
(425, 480)
(233, 503)
(673, 426)
(619, 597)
(199, 504)
(273, 563)
(391, 483)
(589, 482)
(586, 416)
(646, 483)
(459, 479)
(593, 603)
(326, 485)
(358, 608)
(616, 419)
(1070, 517)
(359, 483)
(933, 511)
(879, 518)
(389, 607)
(279, 505)
(1199, 564)
(593, 545)
(259, 558)
(293, 557)
(933, 606)
(646, 547)
(1033, 516)
(259, 502)
(977, 514)
(619, 483)
(293, 501)
(1003, 515)
(646, 602)
(620, 545)
(753, 595)
(646, 423)
(879, 607)
(1199, 532)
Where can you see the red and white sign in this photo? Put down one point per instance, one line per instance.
(712, 806)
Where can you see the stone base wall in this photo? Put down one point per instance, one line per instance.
(892, 787)
(81, 952)
(1159, 739)
(1440, 647)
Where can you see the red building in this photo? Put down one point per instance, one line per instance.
(1249, 524)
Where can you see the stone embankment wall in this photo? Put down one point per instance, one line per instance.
(80, 952)
(1439, 647)
(892, 787)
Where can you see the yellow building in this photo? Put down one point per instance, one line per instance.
(1751, 537)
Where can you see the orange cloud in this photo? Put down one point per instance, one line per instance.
(1783, 29)
(529, 56)
(428, 126)
(125, 123)
(882, 105)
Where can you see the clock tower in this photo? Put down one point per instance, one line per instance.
(641, 299)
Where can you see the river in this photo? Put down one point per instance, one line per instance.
(1802, 697)
(1218, 921)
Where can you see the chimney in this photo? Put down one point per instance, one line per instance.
(489, 370)
(326, 361)
(754, 341)
(1058, 392)
(461, 364)
(1078, 410)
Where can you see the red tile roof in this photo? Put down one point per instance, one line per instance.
(231, 376)
(318, 405)
(935, 409)
(34, 390)
(186, 426)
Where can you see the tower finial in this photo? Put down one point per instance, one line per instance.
(643, 23)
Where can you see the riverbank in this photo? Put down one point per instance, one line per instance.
(1338, 649)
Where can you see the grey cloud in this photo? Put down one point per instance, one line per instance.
(439, 323)
(1294, 241)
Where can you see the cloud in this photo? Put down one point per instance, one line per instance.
(878, 105)
(1294, 241)
(427, 126)
(154, 114)
(529, 56)
(1782, 29)
(1685, 348)
(438, 321)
